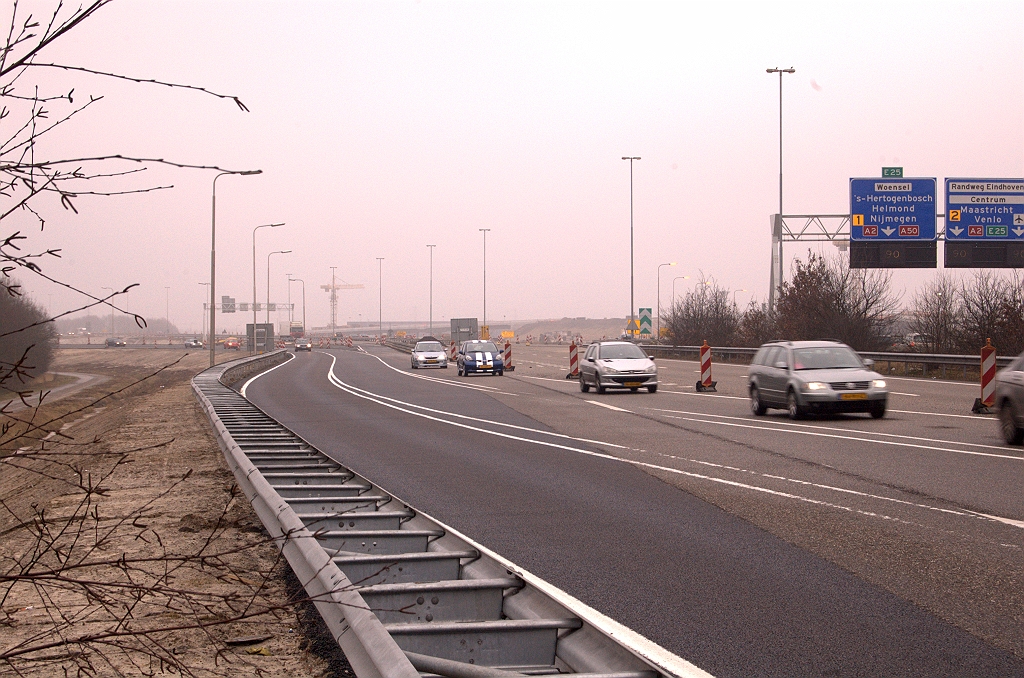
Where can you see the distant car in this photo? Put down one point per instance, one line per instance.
(814, 376)
(479, 355)
(429, 354)
(1009, 401)
(232, 344)
(194, 343)
(303, 344)
(617, 364)
(116, 341)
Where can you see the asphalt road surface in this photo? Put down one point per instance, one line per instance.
(750, 546)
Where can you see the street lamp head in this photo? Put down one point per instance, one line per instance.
(631, 157)
(246, 173)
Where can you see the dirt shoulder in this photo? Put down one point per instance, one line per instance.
(124, 545)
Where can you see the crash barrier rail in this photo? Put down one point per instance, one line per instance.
(404, 595)
(932, 364)
(243, 369)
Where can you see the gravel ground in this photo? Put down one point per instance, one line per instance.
(125, 548)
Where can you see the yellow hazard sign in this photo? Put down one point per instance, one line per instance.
(858, 219)
(954, 215)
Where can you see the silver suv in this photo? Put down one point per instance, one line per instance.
(1010, 401)
(814, 376)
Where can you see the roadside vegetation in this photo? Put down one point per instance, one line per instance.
(825, 298)
(125, 546)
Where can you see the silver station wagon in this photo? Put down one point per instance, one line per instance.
(806, 377)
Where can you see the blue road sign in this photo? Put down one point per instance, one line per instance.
(984, 209)
(892, 209)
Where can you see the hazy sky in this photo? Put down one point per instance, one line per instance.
(382, 127)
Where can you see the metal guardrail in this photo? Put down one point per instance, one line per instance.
(935, 361)
(403, 594)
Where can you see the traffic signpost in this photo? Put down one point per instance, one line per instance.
(984, 223)
(646, 321)
(892, 221)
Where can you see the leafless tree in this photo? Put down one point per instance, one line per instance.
(705, 313)
(828, 299)
(936, 314)
(108, 613)
(758, 325)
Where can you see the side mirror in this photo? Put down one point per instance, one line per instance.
(781, 364)
(868, 362)
(651, 357)
(590, 360)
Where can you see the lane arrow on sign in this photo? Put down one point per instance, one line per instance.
(956, 231)
(1019, 231)
(888, 231)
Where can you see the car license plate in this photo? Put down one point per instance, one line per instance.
(633, 384)
(431, 360)
(853, 396)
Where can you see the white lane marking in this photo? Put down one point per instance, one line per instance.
(705, 395)
(447, 382)
(331, 377)
(844, 490)
(912, 395)
(769, 422)
(838, 437)
(291, 356)
(1008, 521)
(921, 380)
(561, 381)
(671, 664)
(372, 397)
(610, 407)
(976, 417)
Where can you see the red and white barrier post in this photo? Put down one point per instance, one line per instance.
(508, 357)
(574, 362)
(983, 405)
(705, 383)
(453, 354)
(348, 341)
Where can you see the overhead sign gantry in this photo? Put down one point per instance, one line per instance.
(892, 223)
(984, 223)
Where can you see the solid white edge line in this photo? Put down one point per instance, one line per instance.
(338, 383)
(640, 645)
(610, 407)
(291, 356)
(772, 422)
(332, 378)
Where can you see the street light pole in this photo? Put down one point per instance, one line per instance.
(203, 333)
(484, 231)
(167, 312)
(734, 296)
(268, 279)
(288, 277)
(252, 348)
(780, 71)
(632, 309)
(658, 336)
(380, 297)
(431, 288)
(300, 280)
(682, 277)
(111, 309)
(213, 259)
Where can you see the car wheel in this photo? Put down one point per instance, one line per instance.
(1012, 434)
(652, 389)
(444, 367)
(584, 386)
(634, 389)
(757, 405)
(795, 411)
(459, 371)
(501, 373)
(597, 383)
(877, 409)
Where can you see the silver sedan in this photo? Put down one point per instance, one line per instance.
(429, 354)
